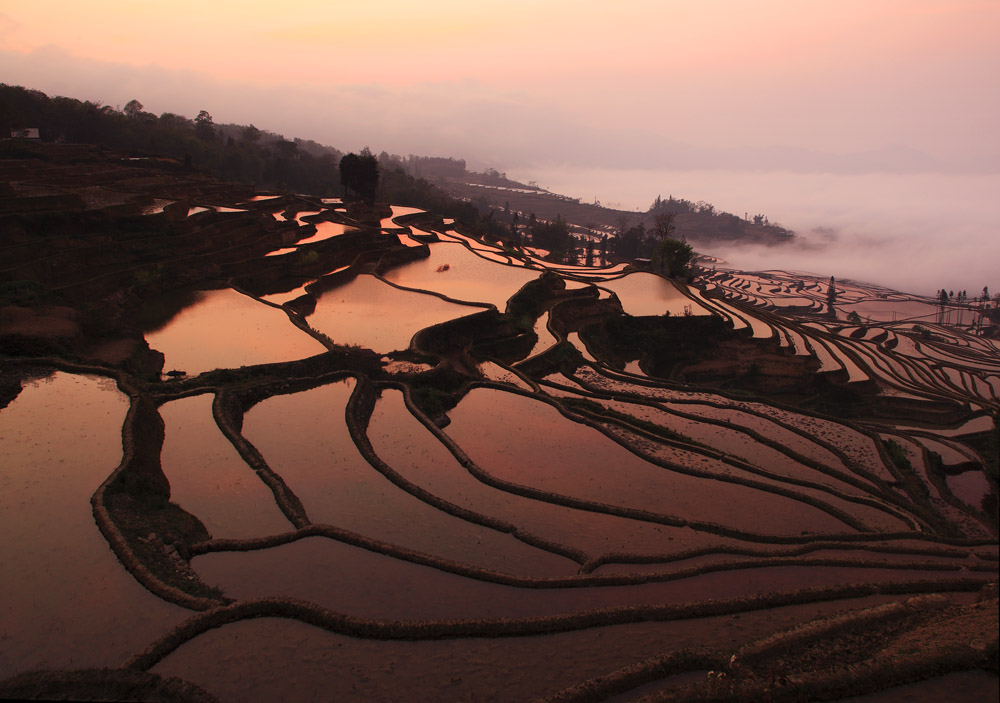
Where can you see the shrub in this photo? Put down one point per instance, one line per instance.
(26, 292)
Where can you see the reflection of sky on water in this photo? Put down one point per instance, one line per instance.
(225, 329)
(68, 601)
(467, 277)
(374, 315)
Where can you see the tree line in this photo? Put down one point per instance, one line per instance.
(239, 153)
(247, 154)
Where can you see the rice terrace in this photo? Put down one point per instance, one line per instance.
(260, 445)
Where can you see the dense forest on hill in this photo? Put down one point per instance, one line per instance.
(632, 234)
(240, 153)
(488, 203)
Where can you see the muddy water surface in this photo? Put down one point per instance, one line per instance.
(326, 230)
(647, 294)
(372, 314)
(238, 662)
(970, 487)
(304, 439)
(973, 685)
(529, 443)
(67, 602)
(459, 273)
(497, 373)
(890, 310)
(226, 329)
(400, 440)
(730, 440)
(545, 337)
(365, 584)
(397, 211)
(209, 479)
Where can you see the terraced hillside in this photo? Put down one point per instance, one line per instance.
(391, 461)
(703, 228)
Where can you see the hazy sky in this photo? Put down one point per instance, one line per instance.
(638, 83)
(875, 119)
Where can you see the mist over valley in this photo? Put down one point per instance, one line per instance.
(503, 351)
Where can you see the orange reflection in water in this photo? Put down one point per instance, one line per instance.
(372, 314)
(67, 601)
(646, 294)
(209, 479)
(226, 330)
(467, 276)
(326, 230)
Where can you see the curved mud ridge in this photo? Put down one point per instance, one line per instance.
(785, 462)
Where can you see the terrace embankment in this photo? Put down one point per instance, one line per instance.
(150, 535)
(829, 658)
(520, 488)
(701, 351)
(97, 247)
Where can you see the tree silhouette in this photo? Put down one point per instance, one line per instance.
(664, 225)
(942, 300)
(675, 257)
(359, 174)
(203, 126)
(250, 134)
(133, 108)
(553, 236)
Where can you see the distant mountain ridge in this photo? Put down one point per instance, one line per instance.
(698, 222)
(485, 201)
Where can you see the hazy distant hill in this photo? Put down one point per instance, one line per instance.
(492, 191)
(485, 202)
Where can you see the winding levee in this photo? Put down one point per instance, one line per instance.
(855, 436)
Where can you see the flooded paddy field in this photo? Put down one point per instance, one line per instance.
(649, 294)
(370, 313)
(225, 329)
(233, 662)
(363, 483)
(209, 478)
(59, 440)
(459, 273)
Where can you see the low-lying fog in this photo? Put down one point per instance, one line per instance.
(913, 232)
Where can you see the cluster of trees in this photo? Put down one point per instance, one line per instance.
(946, 297)
(672, 204)
(241, 153)
(949, 302)
(730, 222)
(427, 166)
(234, 152)
(588, 253)
(359, 175)
(669, 255)
(553, 236)
(246, 154)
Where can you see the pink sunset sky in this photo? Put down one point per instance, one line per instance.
(633, 83)
(868, 126)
